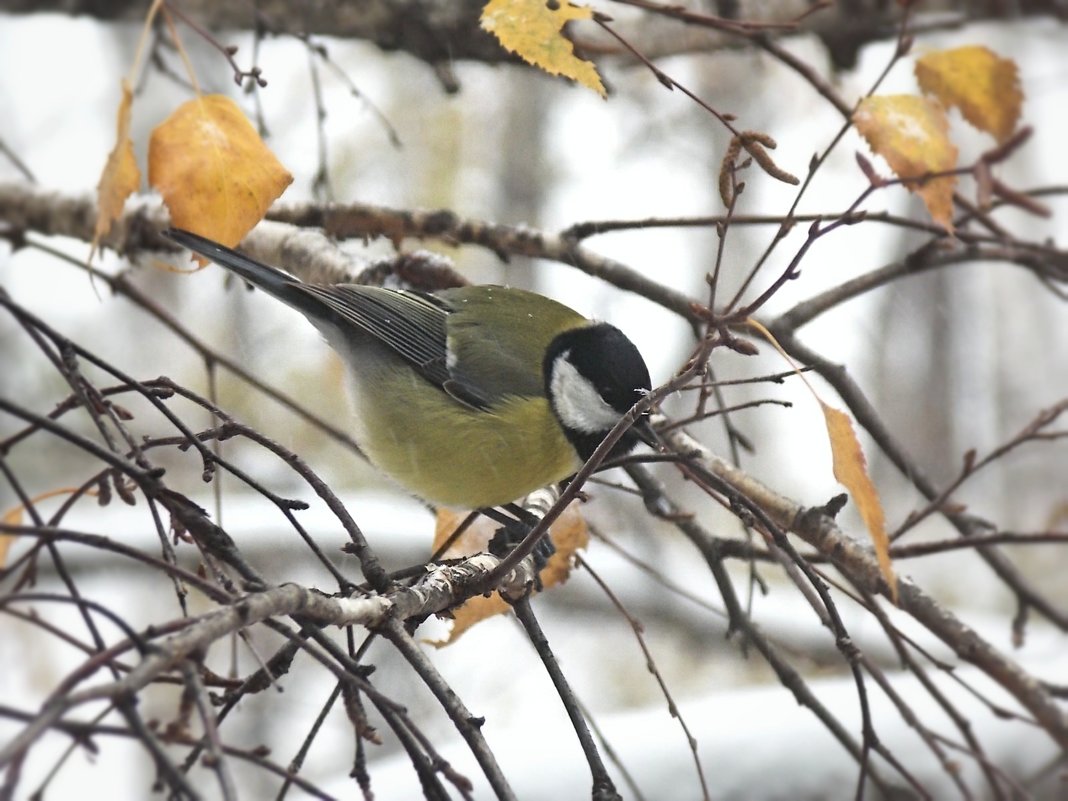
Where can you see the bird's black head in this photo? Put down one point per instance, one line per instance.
(593, 376)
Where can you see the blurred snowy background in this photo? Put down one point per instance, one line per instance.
(953, 364)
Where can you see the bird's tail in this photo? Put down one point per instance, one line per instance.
(267, 278)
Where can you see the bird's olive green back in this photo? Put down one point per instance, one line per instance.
(497, 337)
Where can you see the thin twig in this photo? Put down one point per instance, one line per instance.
(604, 788)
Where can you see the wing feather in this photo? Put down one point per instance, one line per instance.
(413, 325)
(481, 345)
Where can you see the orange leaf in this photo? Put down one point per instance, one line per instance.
(216, 175)
(120, 177)
(13, 517)
(974, 79)
(568, 533)
(911, 133)
(851, 469)
(474, 610)
(533, 30)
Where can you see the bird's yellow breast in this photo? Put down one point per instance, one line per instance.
(457, 456)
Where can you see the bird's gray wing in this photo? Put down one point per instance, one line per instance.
(411, 324)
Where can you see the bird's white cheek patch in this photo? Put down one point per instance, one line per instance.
(577, 402)
(450, 354)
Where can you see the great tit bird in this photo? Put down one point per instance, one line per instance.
(469, 397)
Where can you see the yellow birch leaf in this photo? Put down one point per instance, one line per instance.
(474, 610)
(120, 177)
(912, 134)
(569, 534)
(985, 87)
(851, 470)
(13, 517)
(533, 30)
(214, 172)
